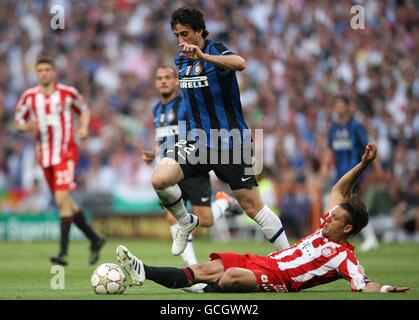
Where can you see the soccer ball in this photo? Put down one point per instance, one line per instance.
(108, 278)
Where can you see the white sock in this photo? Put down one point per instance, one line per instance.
(188, 255)
(368, 233)
(218, 208)
(171, 198)
(272, 228)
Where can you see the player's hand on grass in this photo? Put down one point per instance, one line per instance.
(370, 153)
(398, 289)
(190, 51)
(148, 156)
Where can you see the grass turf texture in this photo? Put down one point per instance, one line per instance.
(25, 272)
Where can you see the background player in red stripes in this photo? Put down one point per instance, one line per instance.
(48, 111)
(321, 257)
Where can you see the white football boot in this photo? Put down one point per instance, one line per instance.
(180, 239)
(131, 264)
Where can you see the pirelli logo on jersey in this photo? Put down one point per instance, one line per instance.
(195, 82)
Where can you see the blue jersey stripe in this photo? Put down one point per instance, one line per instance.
(348, 142)
(212, 97)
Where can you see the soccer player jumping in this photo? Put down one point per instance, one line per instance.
(48, 110)
(197, 190)
(321, 257)
(207, 76)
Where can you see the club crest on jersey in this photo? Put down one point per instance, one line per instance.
(328, 251)
(198, 68)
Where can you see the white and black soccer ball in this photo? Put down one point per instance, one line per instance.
(108, 278)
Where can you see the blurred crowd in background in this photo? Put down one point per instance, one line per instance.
(299, 53)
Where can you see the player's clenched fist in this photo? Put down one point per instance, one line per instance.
(190, 51)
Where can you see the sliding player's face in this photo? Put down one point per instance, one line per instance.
(166, 81)
(186, 34)
(45, 73)
(336, 226)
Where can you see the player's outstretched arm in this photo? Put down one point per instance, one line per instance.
(375, 287)
(231, 62)
(344, 185)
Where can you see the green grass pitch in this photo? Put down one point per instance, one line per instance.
(25, 272)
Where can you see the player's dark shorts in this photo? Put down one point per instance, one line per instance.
(231, 166)
(265, 269)
(197, 190)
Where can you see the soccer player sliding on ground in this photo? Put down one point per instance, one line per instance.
(321, 257)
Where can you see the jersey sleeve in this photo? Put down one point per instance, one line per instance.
(220, 49)
(22, 113)
(353, 272)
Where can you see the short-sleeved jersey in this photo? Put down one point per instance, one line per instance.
(166, 119)
(212, 97)
(54, 115)
(348, 142)
(316, 260)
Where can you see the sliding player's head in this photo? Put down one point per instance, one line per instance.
(346, 219)
(188, 25)
(45, 70)
(166, 81)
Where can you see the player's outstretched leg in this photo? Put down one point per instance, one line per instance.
(251, 202)
(173, 278)
(131, 264)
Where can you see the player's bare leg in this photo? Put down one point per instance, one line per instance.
(165, 178)
(251, 202)
(238, 280)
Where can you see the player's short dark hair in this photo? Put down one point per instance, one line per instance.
(165, 66)
(357, 212)
(344, 98)
(191, 17)
(46, 60)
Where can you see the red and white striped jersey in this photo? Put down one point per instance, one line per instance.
(54, 114)
(316, 260)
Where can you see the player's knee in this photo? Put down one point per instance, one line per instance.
(159, 181)
(63, 199)
(203, 271)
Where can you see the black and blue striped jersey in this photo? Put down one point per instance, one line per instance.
(166, 119)
(212, 97)
(348, 142)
